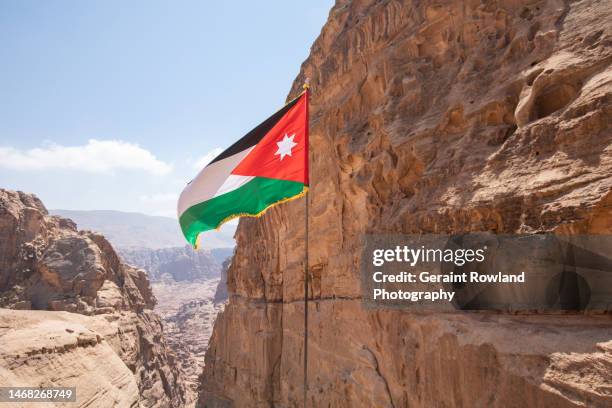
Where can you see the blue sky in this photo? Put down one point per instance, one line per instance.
(112, 104)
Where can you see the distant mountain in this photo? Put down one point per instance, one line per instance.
(135, 230)
(221, 254)
(181, 264)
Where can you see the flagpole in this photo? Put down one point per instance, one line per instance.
(306, 272)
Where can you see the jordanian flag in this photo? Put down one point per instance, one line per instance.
(268, 166)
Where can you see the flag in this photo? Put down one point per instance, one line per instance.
(268, 166)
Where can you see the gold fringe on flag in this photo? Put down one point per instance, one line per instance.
(250, 215)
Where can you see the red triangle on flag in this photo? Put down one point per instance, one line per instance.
(282, 152)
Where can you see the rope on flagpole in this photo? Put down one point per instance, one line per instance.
(306, 87)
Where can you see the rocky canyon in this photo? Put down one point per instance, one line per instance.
(73, 315)
(183, 281)
(429, 117)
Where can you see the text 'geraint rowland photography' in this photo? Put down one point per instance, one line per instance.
(481, 271)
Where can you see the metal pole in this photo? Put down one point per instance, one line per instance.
(306, 90)
(306, 306)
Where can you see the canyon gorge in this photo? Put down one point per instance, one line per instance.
(139, 322)
(184, 282)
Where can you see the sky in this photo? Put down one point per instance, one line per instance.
(116, 105)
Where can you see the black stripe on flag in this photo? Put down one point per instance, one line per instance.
(255, 135)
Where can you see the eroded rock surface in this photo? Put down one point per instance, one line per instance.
(430, 117)
(74, 350)
(46, 264)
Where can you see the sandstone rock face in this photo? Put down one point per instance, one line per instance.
(46, 264)
(73, 349)
(431, 117)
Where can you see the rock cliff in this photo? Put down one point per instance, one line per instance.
(46, 264)
(48, 349)
(437, 117)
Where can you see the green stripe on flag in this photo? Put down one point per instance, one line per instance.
(250, 199)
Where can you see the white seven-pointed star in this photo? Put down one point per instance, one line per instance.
(285, 146)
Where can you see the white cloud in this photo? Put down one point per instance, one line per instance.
(97, 156)
(207, 158)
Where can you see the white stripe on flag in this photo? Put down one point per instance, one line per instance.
(233, 182)
(212, 177)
